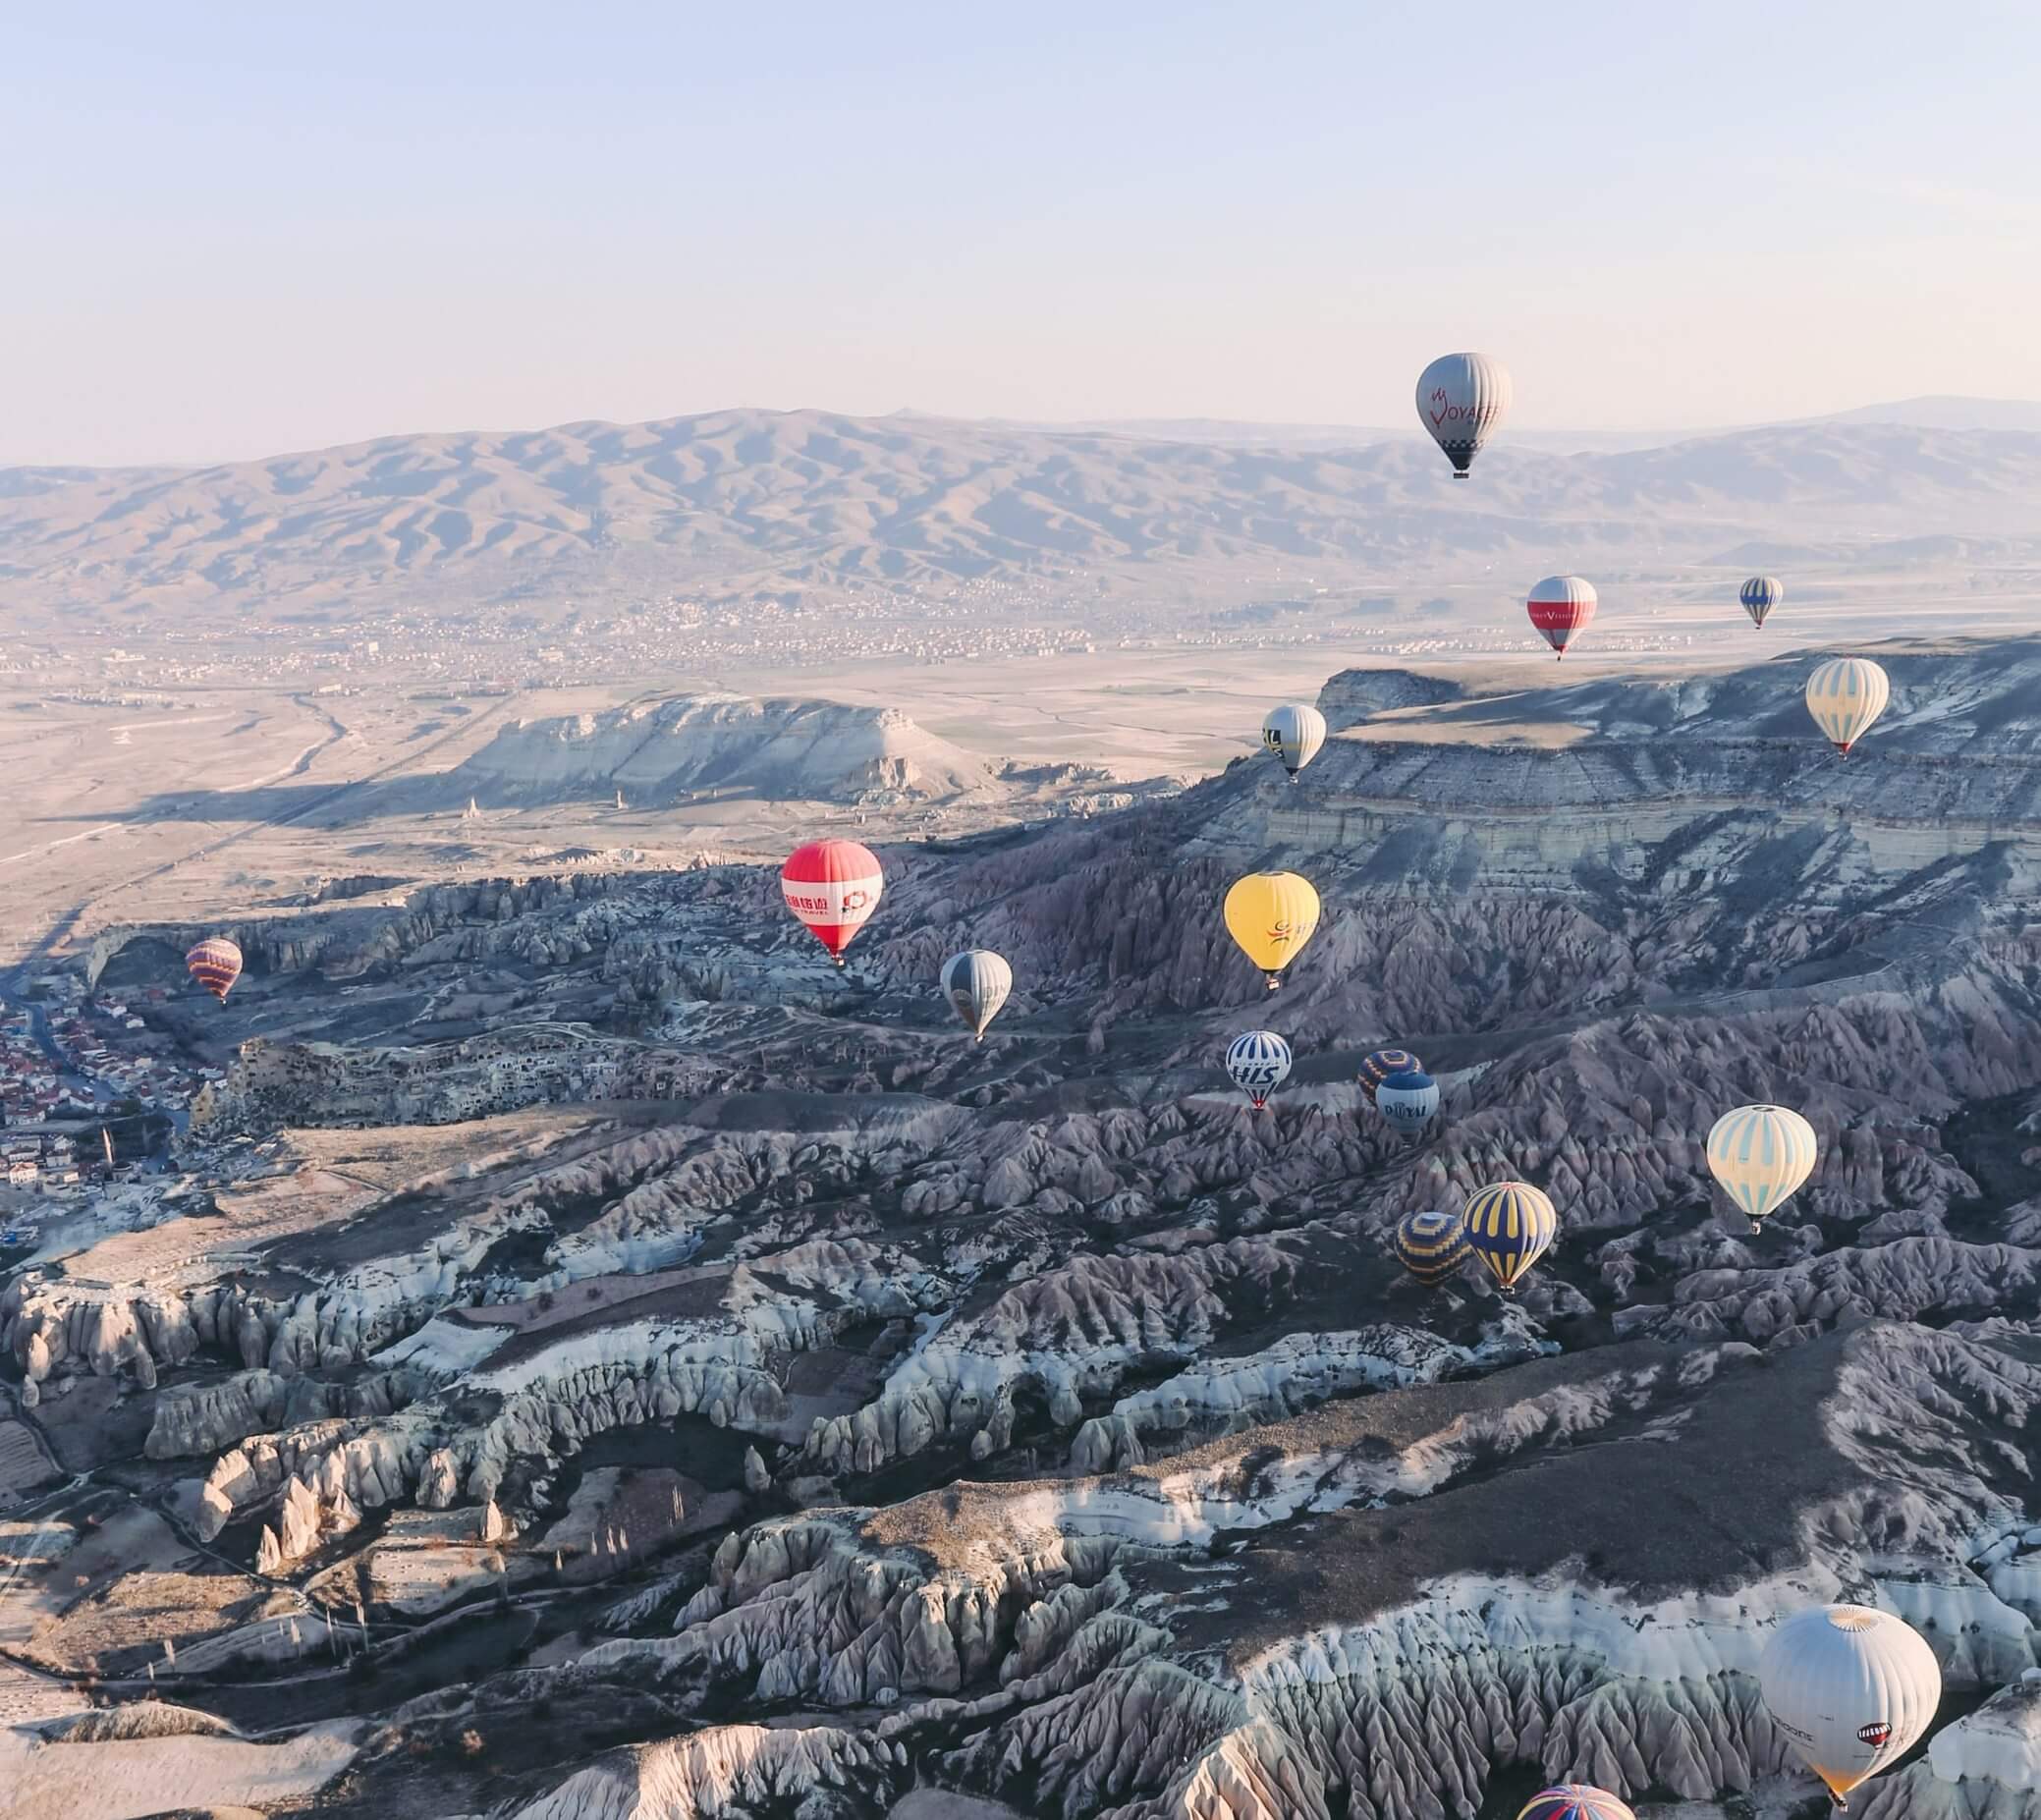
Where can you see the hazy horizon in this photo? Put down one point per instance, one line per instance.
(239, 236)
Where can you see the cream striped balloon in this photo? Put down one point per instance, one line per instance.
(1846, 695)
(1761, 1154)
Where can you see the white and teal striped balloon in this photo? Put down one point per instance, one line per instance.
(1761, 1155)
(1846, 695)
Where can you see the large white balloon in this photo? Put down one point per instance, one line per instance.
(1852, 1688)
(1462, 399)
(1293, 733)
(977, 982)
(1846, 695)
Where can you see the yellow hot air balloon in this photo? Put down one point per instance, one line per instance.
(1511, 1225)
(1761, 1154)
(1271, 915)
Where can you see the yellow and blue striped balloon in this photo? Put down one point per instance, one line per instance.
(1761, 1154)
(1511, 1225)
(1575, 1801)
(1431, 1246)
(1846, 695)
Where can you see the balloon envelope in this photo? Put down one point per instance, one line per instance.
(1759, 596)
(1851, 1688)
(1561, 607)
(1511, 1225)
(833, 887)
(1761, 1154)
(1378, 1064)
(1271, 915)
(1575, 1801)
(1846, 695)
(215, 963)
(1431, 1246)
(1408, 1100)
(1294, 732)
(1259, 1063)
(1462, 400)
(977, 982)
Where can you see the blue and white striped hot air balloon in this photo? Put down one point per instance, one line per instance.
(1511, 1225)
(1760, 594)
(1259, 1063)
(1408, 1100)
(1761, 1155)
(1846, 695)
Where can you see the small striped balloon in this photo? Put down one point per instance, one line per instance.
(215, 963)
(1760, 594)
(1761, 1155)
(1378, 1064)
(1431, 1246)
(1511, 1225)
(1846, 695)
(1575, 1801)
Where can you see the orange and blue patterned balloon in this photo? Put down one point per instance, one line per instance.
(1431, 1246)
(1377, 1066)
(1575, 1800)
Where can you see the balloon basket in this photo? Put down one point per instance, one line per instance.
(1274, 980)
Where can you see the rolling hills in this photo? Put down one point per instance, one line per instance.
(743, 503)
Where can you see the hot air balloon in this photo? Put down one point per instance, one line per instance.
(1462, 399)
(1408, 1100)
(215, 963)
(1271, 915)
(1759, 596)
(1378, 1064)
(1852, 1688)
(1510, 1225)
(1259, 1063)
(977, 982)
(1431, 1246)
(1575, 1801)
(1846, 695)
(1293, 733)
(1761, 1154)
(833, 886)
(1561, 606)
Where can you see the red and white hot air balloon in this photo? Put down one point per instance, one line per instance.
(833, 886)
(1561, 606)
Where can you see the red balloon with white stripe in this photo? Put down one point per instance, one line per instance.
(1561, 607)
(833, 886)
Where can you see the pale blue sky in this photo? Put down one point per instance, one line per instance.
(231, 230)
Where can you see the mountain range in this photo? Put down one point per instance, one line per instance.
(738, 503)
